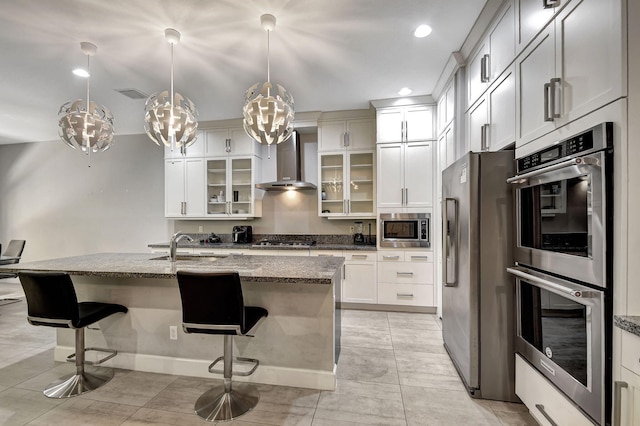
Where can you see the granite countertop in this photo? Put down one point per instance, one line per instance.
(628, 323)
(251, 246)
(291, 269)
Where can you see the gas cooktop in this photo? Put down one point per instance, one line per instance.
(302, 244)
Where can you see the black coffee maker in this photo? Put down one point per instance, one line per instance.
(242, 234)
(358, 236)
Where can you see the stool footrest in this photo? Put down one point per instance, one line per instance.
(111, 352)
(238, 359)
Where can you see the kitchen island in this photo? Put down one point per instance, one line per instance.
(296, 344)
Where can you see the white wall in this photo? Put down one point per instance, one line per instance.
(51, 198)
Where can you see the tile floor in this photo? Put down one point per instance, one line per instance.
(393, 370)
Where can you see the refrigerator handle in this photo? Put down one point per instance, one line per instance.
(450, 241)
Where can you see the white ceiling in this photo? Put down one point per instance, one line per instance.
(330, 54)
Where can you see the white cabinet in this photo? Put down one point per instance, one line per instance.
(406, 123)
(194, 151)
(184, 194)
(532, 16)
(573, 67)
(347, 184)
(231, 188)
(359, 284)
(544, 401)
(492, 55)
(629, 397)
(405, 174)
(446, 107)
(446, 148)
(230, 141)
(405, 278)
(346, 134)
(491, 120)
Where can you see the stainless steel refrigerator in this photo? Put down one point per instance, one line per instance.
(477, 293)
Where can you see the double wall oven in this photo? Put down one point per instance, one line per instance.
(563, 267)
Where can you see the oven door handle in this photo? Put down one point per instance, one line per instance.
(590, 161)
(580, 294)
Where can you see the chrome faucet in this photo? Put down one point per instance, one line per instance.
(173, 244)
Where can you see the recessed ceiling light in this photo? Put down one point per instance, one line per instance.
(404, 91)
(422, 31)
(81, 72)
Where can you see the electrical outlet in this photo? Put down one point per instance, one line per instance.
(200, 228)
(173, 332)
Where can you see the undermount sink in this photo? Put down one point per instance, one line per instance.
(192, 257)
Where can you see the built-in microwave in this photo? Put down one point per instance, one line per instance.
(402, 230)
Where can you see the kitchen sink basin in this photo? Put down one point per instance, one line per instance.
(192, 257)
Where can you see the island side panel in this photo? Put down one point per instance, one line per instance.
(295, 344)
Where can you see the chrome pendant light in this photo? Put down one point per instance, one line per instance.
(89, 126)
(170, 118)
(268, 110)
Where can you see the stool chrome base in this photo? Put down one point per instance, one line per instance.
(77, 384)
(219, 405)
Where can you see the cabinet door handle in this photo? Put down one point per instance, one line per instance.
(406, 196)
(404, 294)
(402, 131)
(183, 150)
(484, 69)
(540, 408)
(227, 145)
(484, 137)
(183, 207)
(617, 395)
(404, 274)
(547, 87)
(549, 4)
(347, 140)
(552, 84)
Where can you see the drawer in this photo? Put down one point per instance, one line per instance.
(418, 257)
(405, 273)
(631, 352)
(368, 256)
(405, 294)
(391, 256)
(325, 253)
(539, 394)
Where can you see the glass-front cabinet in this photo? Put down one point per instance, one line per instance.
(230, 189)
(347, 185)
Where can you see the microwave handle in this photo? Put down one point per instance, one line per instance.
(546, 284)
(572, 162)
(449, 241)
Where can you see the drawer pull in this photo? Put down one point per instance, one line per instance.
(235, 253)
(540, 408)
(404, 294)
(391, 257)
(325, 255)
(359, 256)
(407, 274)
(420, 257)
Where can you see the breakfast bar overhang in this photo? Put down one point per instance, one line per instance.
(296, 345)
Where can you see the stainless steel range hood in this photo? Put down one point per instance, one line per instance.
(289, 167)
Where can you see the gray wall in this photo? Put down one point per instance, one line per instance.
(51, 198)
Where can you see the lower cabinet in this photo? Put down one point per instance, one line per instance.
(627, 390)
(359, 275)
(405, 278)
(546, 404)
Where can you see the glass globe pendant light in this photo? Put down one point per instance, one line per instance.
(268, 110)
(86, 126)
(170, 118)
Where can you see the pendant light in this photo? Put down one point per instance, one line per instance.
(269, 110)
(86, 126)
(170, 118)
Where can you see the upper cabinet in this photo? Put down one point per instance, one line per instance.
(230, 142)
(491, 120)
(532, 16)
(184, 188)
(347, 185)
(492, 55)
(574, 66)
(195, 150)
(405, 123)
(231, 191)
(446, 107)
(336, 135)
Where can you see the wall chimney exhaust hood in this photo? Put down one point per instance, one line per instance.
(289, 167)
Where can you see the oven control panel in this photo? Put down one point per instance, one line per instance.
(594, 139)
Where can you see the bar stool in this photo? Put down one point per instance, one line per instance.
(212, 303)
(52, 302)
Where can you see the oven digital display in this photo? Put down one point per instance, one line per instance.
(567, 147)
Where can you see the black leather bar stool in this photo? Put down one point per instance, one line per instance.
(212, 303)
(52, 302)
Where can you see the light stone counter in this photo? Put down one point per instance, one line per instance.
(296, 344)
